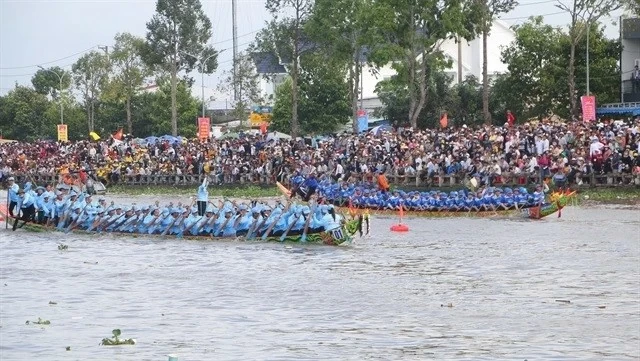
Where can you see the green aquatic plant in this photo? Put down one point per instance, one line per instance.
(68, 348)
(115, 341)
(39, 322)
(62, 247)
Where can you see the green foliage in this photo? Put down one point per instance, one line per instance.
(154, 112)
(324, 98)
(24, 115)
(538, 62)
(39, 322)
(340, 28)
(116, 341)
(410, 32)
(632, 6)
(128, 71)
(247, 80)
(90, 73)
(47, 81)
(176, 35)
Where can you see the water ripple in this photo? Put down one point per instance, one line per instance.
(463, 289)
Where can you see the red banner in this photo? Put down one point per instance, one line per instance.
(204, 128)
(588, 108)
(444, 120)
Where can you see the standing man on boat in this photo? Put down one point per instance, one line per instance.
(203, 196)
(26, 204)
(12, 194)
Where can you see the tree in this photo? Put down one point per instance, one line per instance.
(47, 81)
(247, 81)
(394, 94)
(152, 108)
(411, 31)
(178, 28)
(632, 6)
(340, 27)
(285, 37)
(90, 73)
(582, 14)
(489, 10)
(130, 72)
(535, 68)
(23, 115)
(324, 97)
(538, 61)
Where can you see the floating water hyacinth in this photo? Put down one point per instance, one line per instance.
(62, 247)
(115, 341)
(39, 322)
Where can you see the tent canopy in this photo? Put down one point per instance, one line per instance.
(380, 128)
(277, 135)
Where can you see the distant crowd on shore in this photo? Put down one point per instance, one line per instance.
(564, 151)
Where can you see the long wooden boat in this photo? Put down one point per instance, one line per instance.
(557, 201)
(343, 235)
(532, 212)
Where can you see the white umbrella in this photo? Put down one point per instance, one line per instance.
(278, 135)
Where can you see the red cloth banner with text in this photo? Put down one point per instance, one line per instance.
(204, 128)
(588, 108)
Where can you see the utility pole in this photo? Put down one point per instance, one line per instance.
(234, 16)
(588, 28)
(61, 102)
(459, 60)
(203, 68)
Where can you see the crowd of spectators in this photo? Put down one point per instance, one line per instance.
(548, 149)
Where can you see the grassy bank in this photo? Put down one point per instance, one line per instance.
(620, 195)
(235, 191)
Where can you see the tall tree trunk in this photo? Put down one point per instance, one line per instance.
(93, 116)
(573, 107)
(88, 114)
(295, 126)
(355, 74)
(174, 108)
(129, 122)
(420, 71)
(485, 76)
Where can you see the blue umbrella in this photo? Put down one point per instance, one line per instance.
(151, 140)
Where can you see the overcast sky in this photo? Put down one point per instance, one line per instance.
(57, 32)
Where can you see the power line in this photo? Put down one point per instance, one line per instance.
(537, 2)
(49, 62)
(64, 66)
(95, 46)
(527, 17)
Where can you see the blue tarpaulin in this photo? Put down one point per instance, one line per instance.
(618, 110)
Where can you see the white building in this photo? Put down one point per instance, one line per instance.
(470, 59)
(630, 57)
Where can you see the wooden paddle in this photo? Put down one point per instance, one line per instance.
(306, 224)
(268, 231)
(284, 235)
(170, 225)
(224, 224)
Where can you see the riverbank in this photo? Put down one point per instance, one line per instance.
(586, 196)
(225, 191)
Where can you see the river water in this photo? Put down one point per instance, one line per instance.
(386, 297)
